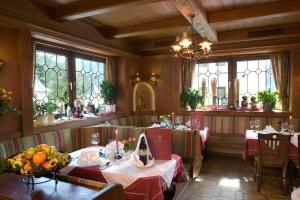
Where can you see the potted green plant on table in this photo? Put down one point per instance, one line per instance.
(108, 92)
(268, 99)
(192, 98)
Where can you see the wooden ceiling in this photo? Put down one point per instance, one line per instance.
(139, 21)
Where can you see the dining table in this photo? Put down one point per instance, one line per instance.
(251, 144)
(138, 183)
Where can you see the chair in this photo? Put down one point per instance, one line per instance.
(273, 153)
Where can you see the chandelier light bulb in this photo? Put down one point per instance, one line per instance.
(185, 40)
(205, 46)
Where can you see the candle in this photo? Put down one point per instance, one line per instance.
(117, 141)
(172, 120)
(291, 120)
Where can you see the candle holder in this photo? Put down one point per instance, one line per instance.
(118, 156)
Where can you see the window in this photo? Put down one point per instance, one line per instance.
(209, 71)
(55, 74)
(51, 76)
(254, 76)
(89, 75)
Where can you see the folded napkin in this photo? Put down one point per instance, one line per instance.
(89, 115)
(269, 129)
(188, 124)
(136, 161)
(88, 158)
(154, 126)
(181, 127)
(111, 148)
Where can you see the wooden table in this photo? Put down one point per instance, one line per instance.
(12, 187)
(251, 145)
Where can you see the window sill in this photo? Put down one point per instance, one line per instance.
(242, 113)
(75, 123)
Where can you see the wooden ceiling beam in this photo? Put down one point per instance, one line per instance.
(86, 8)
(148, 28)
(187, 7)
(263, 10)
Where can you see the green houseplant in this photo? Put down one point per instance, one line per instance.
(192, 98)
(108, 91)
(268, 99)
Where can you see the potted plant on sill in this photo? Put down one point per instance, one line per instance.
(268, 99)
(50, 107)
(192, 98)
(44, 112)
(108, 92)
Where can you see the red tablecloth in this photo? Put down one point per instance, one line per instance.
(148, 188)
(251, 146)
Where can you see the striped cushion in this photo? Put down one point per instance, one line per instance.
(2, 151)
(53, 138)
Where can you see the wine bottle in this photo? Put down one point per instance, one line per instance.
(143, 151)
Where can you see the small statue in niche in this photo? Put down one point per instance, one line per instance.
(141, 101)
(253, 103)
(244, 102)
(77, 110)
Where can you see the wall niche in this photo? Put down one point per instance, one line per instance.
(143, 97)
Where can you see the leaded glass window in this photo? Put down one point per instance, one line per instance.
(209, 71)
(254, 76)
(89, 75)
(51, 77)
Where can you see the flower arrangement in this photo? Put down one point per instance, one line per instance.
(38, 160)
(165, 120)
(129, 144)
(6, 102)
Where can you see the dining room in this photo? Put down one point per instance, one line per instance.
(150, 99)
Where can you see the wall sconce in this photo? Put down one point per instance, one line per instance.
(1, 65)
(136, 79)
(153, 79)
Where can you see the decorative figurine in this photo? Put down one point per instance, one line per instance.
(244, 102)
(253, 103)
(77, 110)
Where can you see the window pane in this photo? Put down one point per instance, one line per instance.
(208, 71)
(89, 75)
(51, 77)
(255, 75)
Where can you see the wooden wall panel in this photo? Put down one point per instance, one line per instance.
(295, 62)
(10, 78)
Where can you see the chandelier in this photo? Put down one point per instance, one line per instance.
(186, 48)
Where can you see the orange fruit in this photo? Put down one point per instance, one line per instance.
(39, 157)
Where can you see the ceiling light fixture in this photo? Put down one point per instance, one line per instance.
(186, 48)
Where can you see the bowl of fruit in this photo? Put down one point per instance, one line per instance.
(38, 161)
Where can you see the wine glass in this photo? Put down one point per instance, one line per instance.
(291, 129)
(257, 124)
(252, 124)
(154, 119)
(197, 124)
(95, 138)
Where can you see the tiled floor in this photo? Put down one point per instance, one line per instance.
(227, 178)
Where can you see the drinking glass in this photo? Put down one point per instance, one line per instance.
(257, 124)
(95, 138)
(178, 120)
(252, 124)
(284, 127)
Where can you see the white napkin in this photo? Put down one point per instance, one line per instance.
(136, 161)
(111, 148)
(89, 115)
(188, 124)
(269, 129)
(154, 126)
(181, 127)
